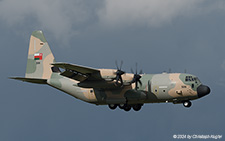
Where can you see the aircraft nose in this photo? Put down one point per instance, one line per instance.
(203, 90)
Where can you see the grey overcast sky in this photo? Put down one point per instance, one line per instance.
(158, 34)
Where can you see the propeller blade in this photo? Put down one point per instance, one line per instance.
(117, 79)
(121, 65)
(131, 70)
(140, 82)
(121, 80)
(136, 69)
(136, 85)
(116, 65)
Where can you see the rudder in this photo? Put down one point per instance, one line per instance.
(39, 58)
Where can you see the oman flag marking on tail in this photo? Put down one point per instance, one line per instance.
(38, 56)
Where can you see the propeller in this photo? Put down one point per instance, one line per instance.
(119, 73)
(136, 78)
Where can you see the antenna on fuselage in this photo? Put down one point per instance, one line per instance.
(185, 70)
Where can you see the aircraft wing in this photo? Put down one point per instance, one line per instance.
(78, 72)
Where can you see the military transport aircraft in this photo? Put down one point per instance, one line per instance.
(111, 87)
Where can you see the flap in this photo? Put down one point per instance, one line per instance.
(78, 72)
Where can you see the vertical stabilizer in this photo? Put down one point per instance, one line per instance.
(39, 58)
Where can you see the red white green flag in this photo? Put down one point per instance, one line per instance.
(38, 56)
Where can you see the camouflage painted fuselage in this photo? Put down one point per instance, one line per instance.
(155, 88)
(102, 86)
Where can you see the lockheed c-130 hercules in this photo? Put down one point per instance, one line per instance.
(111, 87)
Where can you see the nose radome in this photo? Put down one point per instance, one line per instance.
(203, 90)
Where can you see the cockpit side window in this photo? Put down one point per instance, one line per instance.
(192, 79)
(189, 78)
(197, 80)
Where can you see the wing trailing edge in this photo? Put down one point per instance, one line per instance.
(78, 72)
(77, 68)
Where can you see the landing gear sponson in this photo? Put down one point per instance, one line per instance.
(137, 107)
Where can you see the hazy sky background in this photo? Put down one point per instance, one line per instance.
(158, 34)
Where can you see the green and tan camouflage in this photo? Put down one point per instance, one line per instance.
(108, 86)
(39, 66)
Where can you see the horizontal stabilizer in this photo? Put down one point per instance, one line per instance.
(31, 80)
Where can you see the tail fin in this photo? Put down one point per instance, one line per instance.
(39, 58)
